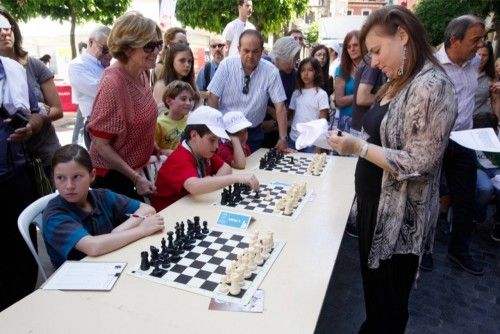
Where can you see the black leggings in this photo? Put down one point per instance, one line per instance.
(386, 288)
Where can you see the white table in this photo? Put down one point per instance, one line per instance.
(294, 287)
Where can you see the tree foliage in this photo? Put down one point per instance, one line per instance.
(74, 11)
(312, 33)
(268, 16)
(436, 14)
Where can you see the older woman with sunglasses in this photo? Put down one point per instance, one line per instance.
(123, 119)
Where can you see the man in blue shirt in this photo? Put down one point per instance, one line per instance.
(85, 72)
(205, 75)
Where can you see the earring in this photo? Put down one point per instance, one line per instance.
(403, 61)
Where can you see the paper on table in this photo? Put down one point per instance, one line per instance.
(79, 275)
(483, 139)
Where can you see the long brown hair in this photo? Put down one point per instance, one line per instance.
(388, 19)
(346, 63)
(18, 38)
(168, 73)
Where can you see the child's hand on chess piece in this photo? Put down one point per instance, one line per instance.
(151, 224)
(249, 179)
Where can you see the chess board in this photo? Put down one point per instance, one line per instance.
(200, 269)
(299, 166)
(266, 203)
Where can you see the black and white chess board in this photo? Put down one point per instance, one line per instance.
(265, 201)
(200, 269)
(292, 164)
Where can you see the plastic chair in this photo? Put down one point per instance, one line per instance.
(33, 215)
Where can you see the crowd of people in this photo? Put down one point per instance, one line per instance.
(397, 99)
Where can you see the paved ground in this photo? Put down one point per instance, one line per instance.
(446, 300)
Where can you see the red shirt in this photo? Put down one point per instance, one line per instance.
(225, 151)
(179, 167)
(124, 112)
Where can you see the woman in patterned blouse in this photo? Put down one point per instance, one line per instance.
(123, 119)
(397, 175)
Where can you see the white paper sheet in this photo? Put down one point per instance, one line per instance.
(79, 275)
(483, 139)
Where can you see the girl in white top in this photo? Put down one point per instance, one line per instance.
(309, 101)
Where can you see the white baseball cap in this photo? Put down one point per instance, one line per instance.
(235, 121)
(335, 46)
(210, 117)
(4, 23)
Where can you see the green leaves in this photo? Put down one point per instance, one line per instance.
(436, 14)
(269, 15)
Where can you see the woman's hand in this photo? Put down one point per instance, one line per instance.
(344, 143)
(152, 224)
(143, 186)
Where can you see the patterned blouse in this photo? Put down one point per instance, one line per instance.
(414, 134)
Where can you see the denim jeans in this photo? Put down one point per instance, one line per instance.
(345, 123)
(459, 167)
(485, 190)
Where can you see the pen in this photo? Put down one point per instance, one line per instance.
(134, 215)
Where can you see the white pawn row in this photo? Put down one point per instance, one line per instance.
(291, 199)
(317, 164)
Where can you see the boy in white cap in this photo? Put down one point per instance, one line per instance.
(194, 167)
(235, 150)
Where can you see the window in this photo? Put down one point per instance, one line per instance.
(366, 12)
(349, 12)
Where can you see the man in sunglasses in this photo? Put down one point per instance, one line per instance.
(217, 48)
(85, 72)
(245, 84)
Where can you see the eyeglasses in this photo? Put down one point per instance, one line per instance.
(151, 46)
(217, 46)
(246, 84)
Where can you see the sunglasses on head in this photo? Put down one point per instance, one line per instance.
(217, 46)
(151, 46)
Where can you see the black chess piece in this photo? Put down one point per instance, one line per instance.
(163, 246)
(165, 263)
(170, 239)
(205, 228)
(155, 252)
(144, 261)
(257, 194)
(224, 197)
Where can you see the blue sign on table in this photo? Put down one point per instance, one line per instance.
(235, 220)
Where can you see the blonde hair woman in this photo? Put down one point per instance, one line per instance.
(123, 118)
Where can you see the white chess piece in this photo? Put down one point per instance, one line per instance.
(251, 259)
(258, 257)
(289, 207)
(235, 288)
(223, 287)
(264, 252)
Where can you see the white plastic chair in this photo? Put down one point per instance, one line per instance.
(33, 215)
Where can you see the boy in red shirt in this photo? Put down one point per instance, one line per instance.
(194, 167)
(235, 151)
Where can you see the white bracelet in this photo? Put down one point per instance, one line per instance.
(364, 150)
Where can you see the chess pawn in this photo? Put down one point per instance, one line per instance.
(241, 273)
(231, 268)
(289, 207)
(223, 287)
(251, 259)
(258, 257)
(280, 205)
(264, 252)
(235, 288)
(254, 236)
(227, 278)
(303, 189)
(270, 240)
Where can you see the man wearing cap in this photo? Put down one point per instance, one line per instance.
(246, 84)
(233, 29)
(205, 75)
(85, 72)
(194, 167)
